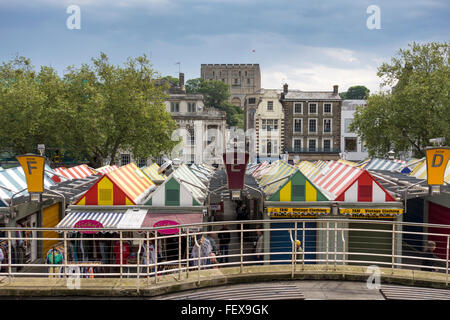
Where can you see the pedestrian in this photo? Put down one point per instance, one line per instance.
(224, 242)
(205, 250)
(260, 246)
(212, 240)
(148, 256)
(126, 250)
(429, 254)
(299, 250)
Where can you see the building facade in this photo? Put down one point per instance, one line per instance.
(312, 124)
(242, 79)
(202, 129)
(264, 121)
(352, 146)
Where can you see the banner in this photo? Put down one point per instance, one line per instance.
(236, 164)
(33, 167)
(296, 212)
(371, 211)
(437, 159)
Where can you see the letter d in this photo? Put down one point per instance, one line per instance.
(441, 158)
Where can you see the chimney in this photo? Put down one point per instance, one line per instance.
(335, 89)
(181, 81)
(285, 88)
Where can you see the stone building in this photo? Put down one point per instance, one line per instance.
(264, 121)
(243, 79)
(202, 129)
(312, 124)
(352, 146)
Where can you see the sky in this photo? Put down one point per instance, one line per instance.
(311, 45)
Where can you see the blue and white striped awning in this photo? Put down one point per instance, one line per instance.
(109, 219)
(381, 164)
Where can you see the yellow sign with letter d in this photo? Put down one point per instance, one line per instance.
(437, 159)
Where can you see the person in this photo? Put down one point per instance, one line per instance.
(224, 242)
(211, 238)
(126, 250)
(205, 250)
(148, 251)
(299, 249)
(260, 246)
(429, 254)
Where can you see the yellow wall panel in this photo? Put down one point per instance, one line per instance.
(50, 218)
(311, 192)
(105, 192)
(285, 193)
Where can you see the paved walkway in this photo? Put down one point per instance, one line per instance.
(128, 287)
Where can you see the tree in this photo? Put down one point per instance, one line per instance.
(216, 94)
(418, 106)
(355, 93)
(93, 112)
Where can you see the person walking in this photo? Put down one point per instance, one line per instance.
(429, 254)
(205, 251)
(224, 243)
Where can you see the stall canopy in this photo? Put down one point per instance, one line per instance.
(13, 180)
(104, 218)
(173, 192)
(298, 188)
(126, 185)
(191, 182)
(308, 169)
(106, 169)
(202, 175)
(273, 178)
(351, 184)
(382, 164)
(181, 218)
(152, 172)
(77, 172)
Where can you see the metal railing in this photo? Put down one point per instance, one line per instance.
(181, 250)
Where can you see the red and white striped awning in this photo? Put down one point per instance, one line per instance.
(107, 168)
(350, 184)
(78, 172)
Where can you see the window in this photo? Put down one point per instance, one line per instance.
(223, 80)
(312, 125)
(269, 124)
(269, 147)
(174, 107)
(235, 81)
(313, 108)
(350, 144)
(269, 105)
(327, 108)
(248, 81)
(191, 106)
(172, 195)
(347, 123)
(191, 137)
(312, 145)
(298, 108)
(297, 145)
(298, 191)
(125, 159)
(326, 125)
(327, 145)
(251, 100)
(142, 162)
(297, 125)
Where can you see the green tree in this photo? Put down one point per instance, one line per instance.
(418, 107)
(355, 93)
(93, 112)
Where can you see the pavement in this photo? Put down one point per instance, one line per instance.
(209, 278)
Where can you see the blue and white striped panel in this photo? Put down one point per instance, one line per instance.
(107, 219)
(381, 164)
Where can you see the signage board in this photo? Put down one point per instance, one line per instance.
(88, 224)
(437, 159)
(360, 211)
(288, 213)
(164, 223)
(33, 167)
(235, 164)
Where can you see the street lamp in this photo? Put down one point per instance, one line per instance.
(41, 148)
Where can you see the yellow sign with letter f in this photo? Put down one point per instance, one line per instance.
(33, 167)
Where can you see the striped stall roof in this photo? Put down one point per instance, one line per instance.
(252, 167)
(279, 170)
(173, 192)
(183, 173)
(107, 168)
(77, 172)
(262, 170)
(350, 184)
(420, 171)
(199, 172)
(13, 180)
(347, 162)
(109, 219)
(308, 169)
(131, 180)
(151, 171)
(382, 164)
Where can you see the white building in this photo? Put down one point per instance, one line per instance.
(352, 146)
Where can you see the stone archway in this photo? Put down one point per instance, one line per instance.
(236, 101)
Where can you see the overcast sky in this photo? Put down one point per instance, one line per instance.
(311, 45)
